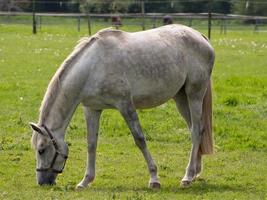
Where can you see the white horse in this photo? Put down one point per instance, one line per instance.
(127, 71)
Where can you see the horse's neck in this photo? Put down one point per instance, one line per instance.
(64, 93)
(62, 107)
(60, 115)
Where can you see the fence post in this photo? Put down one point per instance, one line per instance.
(88, 20)
(209, 19)
(89, 24)
(78, 23)
(143, 14)
(190, 22)
(256, 26)
(33, 18)
(154, 21)
(223, 25)
(40, 22)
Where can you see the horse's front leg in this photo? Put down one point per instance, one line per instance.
(130, 116)
(92, 121)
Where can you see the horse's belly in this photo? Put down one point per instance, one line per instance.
(154, 94)
(146, 101)
(154, 76)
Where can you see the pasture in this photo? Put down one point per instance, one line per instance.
(236, 171)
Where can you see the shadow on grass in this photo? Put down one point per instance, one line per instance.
(199, 187)
(196, 188)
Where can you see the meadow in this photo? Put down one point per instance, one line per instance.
(237, 170)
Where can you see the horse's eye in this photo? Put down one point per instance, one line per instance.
(41, 151)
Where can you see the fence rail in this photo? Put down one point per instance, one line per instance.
(221, 18)
(140, 15)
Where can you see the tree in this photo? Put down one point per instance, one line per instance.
(163, 6)
(195, 6)
(11, 5)
(104, 6)
(249, 7)
(222, 7)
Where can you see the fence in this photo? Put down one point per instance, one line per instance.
(222, 22)
(29, 12)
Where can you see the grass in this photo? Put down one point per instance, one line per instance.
(237, 170)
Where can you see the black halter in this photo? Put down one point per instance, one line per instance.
(51, 169)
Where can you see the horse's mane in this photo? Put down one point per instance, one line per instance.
(54, 85)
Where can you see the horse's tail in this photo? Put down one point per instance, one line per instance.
(206, 146)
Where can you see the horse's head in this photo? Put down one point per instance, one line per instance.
(51, 154)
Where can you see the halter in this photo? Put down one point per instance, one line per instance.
(57, 153)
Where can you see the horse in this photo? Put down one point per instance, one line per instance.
(114, 69)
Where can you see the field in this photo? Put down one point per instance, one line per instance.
(238, 169)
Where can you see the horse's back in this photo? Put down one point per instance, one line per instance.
(150, 53)
(150, 65)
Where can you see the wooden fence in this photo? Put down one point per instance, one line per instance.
(223, 18)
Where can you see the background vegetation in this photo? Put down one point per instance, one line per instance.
(236, 171)
(247, 7)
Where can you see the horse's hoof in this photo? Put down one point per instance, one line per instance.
(198, 176)
(154, 185)
(80, 187)
(185, 184)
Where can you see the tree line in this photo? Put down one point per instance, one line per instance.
(246, 7)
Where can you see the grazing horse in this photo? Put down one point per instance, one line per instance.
(114, 69)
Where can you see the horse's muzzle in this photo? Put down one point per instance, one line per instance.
(46, 178)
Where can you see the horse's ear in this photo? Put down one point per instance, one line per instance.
(37, 128)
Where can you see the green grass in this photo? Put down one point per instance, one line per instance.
(237, 170)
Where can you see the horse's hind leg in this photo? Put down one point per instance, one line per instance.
(129, 114)
(182, 105)
(195, 96)
(92, 121)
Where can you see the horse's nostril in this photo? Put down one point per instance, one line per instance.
(46, 183)
(46, 178)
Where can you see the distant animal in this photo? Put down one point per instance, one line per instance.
(167, 19)
(116, 21)
(114, 69)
